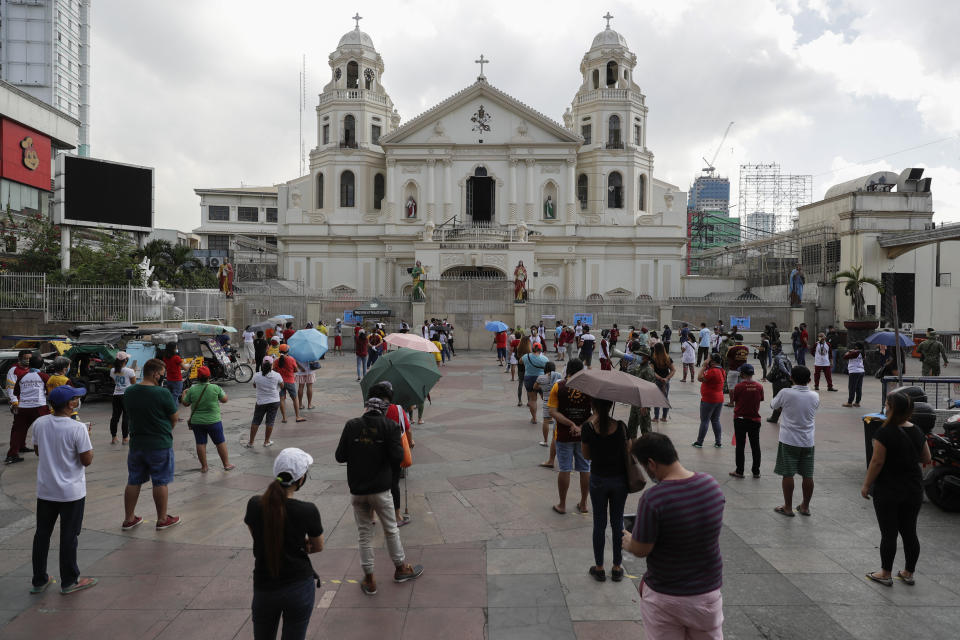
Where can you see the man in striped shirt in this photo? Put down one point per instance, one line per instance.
(677, 530)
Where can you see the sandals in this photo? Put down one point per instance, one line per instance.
(42, 587)
(784, 512)
(598, 574)
(556, 510)
(905, 579)
(80, 585)
(887, 582)
(230, 467)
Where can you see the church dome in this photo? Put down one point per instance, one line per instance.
(354, 37)
(609, 37)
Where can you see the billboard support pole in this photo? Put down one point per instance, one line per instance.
(64, 247)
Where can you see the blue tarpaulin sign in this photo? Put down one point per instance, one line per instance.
(740, 322)
(583, 318)
(350, 318)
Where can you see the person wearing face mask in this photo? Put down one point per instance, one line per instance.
(15, 372)
(284, 531)
(677, 530)
(822, 355)
(28, 402)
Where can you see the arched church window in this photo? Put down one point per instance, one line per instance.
(353, 75)
(480, 172)
(347, 191)
(582, 190)
(611, 73)
(379, 187)
(319, 191)
(596, 78)
(642, 193)
(349, 131)
(615, 190)
(613, 132)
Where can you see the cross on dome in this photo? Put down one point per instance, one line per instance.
(358, 18)
(481, 62)
(608, 18)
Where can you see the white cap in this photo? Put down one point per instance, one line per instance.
(293, 461)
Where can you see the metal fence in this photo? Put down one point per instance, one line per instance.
(941, 391)
(131, 304)
(22, 291)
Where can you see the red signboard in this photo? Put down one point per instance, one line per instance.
(24, 155)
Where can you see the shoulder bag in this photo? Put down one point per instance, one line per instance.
(635, 481)
(194, 405)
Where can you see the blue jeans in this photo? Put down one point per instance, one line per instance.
(665, 387)
(710, 414)
(293, 601)
(361, 366)
(802, 356)
(603, 491)
(175, 387)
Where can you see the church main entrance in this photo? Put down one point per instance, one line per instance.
(480, 197)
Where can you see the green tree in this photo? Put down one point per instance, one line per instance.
(854, 288)
(175, 266)
(105, 259)
(36, 238)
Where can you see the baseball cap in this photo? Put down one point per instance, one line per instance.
(268, 359)
(292, 461)
(203, 371)
(284, 348)
(63, 394)
(746, 369)
(122, 355)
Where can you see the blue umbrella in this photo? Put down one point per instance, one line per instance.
(889, 339)
(496, 326)
(281, 316)
(307, 345)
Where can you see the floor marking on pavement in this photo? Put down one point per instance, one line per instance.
(462, 500)
(326, 599)
(352, 581)
(632, 577)
(336, 581)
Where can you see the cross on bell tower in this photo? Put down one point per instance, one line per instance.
(481, 62)
(608, 18)
(358, 18)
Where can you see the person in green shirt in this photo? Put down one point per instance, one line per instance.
(205, 400)
(153, 415)
(931, 350)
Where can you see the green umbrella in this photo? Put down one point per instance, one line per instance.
(412, 374)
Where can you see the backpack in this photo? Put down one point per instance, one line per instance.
(776, 373)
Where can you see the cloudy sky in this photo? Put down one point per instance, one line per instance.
(207, 91)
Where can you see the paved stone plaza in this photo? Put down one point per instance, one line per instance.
(499, 563)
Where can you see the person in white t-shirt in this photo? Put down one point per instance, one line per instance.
(248, 337)
(688, 356)
(123, 376)
(63, 447)
(268, 383)
(799, 406)
(28, 402)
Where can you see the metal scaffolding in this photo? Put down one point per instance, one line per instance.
(769, 199)
(768, 261)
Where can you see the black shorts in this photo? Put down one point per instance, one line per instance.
(528, 382)
(268, 410)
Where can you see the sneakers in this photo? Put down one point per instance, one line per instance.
(130, 524)
(268, 443)
(834, 389)
(12, 459)
(169, 521)
(407, 572)
(697, 445)
(717, 445)
(369, 585)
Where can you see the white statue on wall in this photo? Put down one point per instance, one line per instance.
(146, 271)
(668, 199)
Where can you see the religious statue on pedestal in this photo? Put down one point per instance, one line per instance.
(225, 278)
(520, 283)
(411, 207)
(419, 283)
(797, 280)
(549, 213)
(146, 271)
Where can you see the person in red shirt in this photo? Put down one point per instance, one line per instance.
(501, 342)
(747, 396)
(512, 355)
(360, 349)
(286, 366)
(175, 370)
(288, 331)
(712, 378)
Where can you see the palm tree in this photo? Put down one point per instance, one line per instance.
(854, 288)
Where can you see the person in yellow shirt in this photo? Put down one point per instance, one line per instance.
(273, 349)
(61, 366)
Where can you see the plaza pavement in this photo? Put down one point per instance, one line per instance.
(499, 563)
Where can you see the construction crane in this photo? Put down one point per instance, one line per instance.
(710, 169)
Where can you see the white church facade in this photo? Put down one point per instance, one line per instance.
(479, 183)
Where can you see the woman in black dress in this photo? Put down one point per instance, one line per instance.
(894, 480)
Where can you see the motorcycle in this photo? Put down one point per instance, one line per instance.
(942, 482)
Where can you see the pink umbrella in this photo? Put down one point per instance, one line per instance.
(410, 341)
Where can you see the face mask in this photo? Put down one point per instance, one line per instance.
(652, 476)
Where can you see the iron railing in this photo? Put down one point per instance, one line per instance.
(22, 291)
(132, 304)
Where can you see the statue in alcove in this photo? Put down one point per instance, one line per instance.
(549, 212)
(411, 207)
